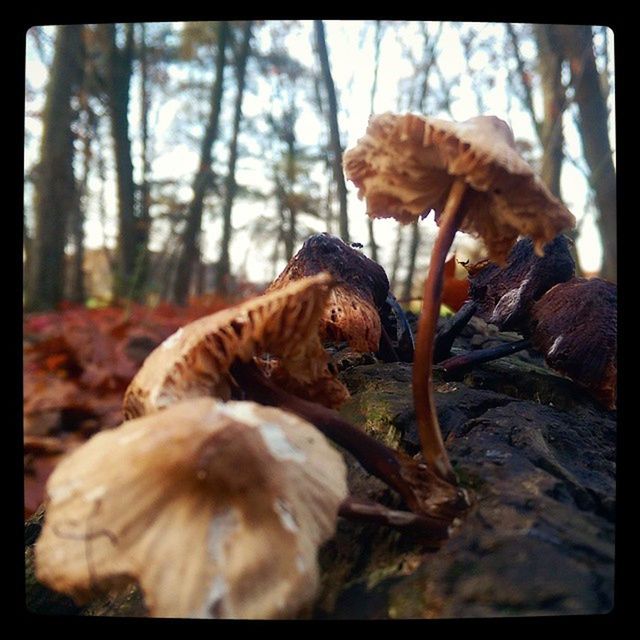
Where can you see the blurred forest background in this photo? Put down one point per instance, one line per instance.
(165, 161)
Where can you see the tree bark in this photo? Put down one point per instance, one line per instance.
(56, 196)
(203, 178)
(223, 267)
(550, 60)
(594, 132)
(336, 147)
(411, 266)
(132, 234)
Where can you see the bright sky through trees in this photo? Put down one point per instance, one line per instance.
(350, 46)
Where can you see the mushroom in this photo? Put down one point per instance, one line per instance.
(505, 295)
(471, 176)
(216, 509)
(217, 354)
(575, 326)
(195, 361)
(352, 313)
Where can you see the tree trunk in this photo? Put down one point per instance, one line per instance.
(395, 265)
(550, 60)
(56, 196)
(223, 266)
(131, 232)
(77, 291)
(411, 266)
(594, 131)
(376, 65)
(144, 196)
(203, 178)
(336, 147)
(290, 237)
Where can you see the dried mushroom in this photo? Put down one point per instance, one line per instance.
(217, 510)
(408, 164)
(505, 295)
(575, 326)
(195, 361)
(352, 313)
(472, 177)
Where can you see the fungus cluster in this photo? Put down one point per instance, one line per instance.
(217, 492)
(571, 321)
(217, 507)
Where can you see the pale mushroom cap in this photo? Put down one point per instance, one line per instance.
(217, 510)
(405, 165)
(195, 360)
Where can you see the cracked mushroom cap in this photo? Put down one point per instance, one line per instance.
(405, 166)
(505, 295)
(216, 510)
(575, 326)
(352, 312)
(195, 361)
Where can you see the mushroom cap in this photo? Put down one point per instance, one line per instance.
(352, 312)
(217, 510)
(195, 360)
(575, 326)
(505, 295)
(405, 166)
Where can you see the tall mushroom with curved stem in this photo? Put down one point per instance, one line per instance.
(470, 174)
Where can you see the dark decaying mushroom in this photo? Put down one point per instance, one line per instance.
(575, 327)
(473, 178)
(352, 313)
(505, 295)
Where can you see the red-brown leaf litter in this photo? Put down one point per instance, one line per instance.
(78, 363)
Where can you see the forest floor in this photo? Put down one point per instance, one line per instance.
(535, 452)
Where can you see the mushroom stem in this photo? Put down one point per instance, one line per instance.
(433, 448)
(451, 330)
(421, 490)
(465, 361)
(433, 530)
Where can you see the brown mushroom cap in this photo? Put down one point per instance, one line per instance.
(575, 326)
(352, 311)
(405, 166)
(505, 295)
(195, 360)
(216, 509)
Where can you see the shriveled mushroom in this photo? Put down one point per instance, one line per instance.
(575, 326)
(212, 355)
(361, 289)
(505, 295)
(216, 509)
(472, 177)
(195, 360)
